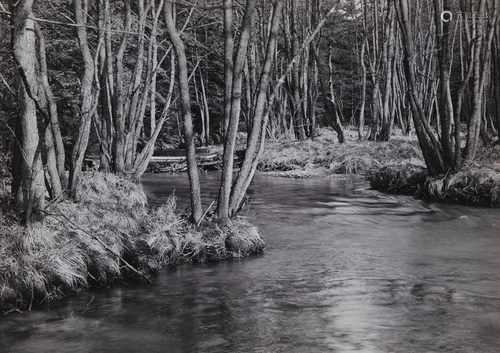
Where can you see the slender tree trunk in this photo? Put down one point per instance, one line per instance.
(483, 36)
(445, 104)
(384, 133)
(182, 78)
(228, 61)
(86, 96)
(361, 120)
(56, 136)
(300, 131)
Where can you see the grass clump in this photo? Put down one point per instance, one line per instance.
(109, 234)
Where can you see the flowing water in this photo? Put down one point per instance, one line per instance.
(346, 269)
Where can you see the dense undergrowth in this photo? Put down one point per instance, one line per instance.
(109, 234)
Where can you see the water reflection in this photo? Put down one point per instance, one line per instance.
(346, 270)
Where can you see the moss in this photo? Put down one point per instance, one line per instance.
(110, 234)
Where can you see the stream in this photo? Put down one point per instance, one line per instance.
(346, 269)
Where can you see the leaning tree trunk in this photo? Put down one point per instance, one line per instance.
(257, 134)
(429, 144)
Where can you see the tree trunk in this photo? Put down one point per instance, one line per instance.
(228, 61)
(483, 37)
(328, 103)
(232, 130)
(361, 120)
(429, 144)
(182, 78)
(257, 135)
(86, 96)
(31, 194)
(55, 130)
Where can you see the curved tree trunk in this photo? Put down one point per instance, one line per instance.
(182, 78)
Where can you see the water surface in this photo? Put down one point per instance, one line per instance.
(346, 269)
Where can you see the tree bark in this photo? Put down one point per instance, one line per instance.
(86, 96)
(257, 134)
(228, 61)
(483, 37)
(328, 103)
(232, 130)
(182, 78)
(31, 194)
(429, 144)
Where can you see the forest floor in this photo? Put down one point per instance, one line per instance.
(109, 235)
(395, 167)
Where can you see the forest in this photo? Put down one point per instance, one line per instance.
(93, 93)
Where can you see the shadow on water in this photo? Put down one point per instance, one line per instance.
(346, 269)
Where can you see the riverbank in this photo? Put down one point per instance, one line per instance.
(109, 235)
(477, 184)
(324, 156)
(395, 167)
(473, 187)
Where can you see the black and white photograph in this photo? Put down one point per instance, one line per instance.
(249, 176)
